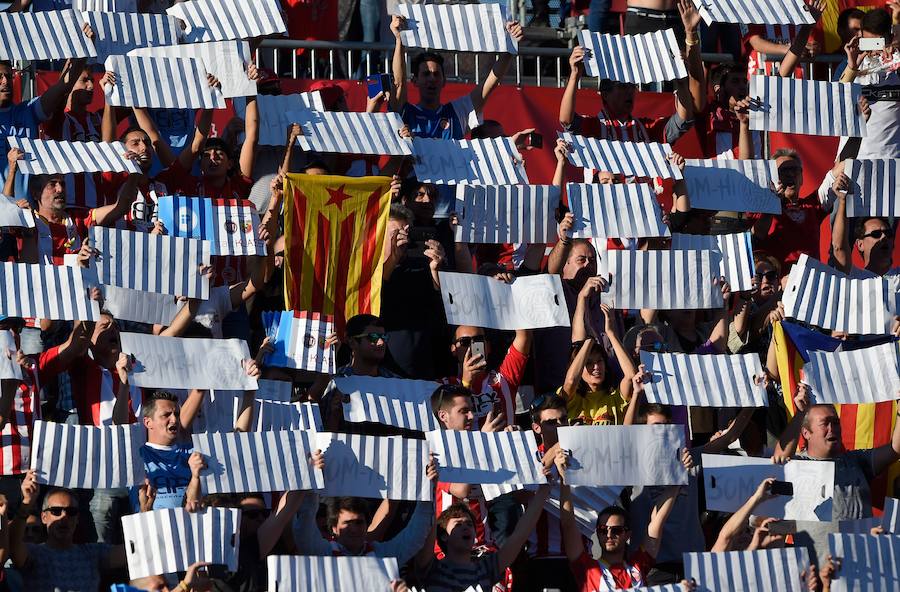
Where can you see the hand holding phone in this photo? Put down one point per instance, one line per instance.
(782, 488)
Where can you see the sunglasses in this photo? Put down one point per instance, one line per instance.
(771, 275)
(256, 513)
(656, 346)
(611, 531)
(373, 338)
(71, 511)
(467, 341)
(877, 234)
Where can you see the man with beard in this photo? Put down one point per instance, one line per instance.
(431, 118)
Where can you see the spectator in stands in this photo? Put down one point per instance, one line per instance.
(749, 331)
(786, 43)
(849, 25)
(648, 16)
(431, 118)
(721, 124)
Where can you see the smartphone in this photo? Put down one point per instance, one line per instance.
(417, 236)
(871, 43)
(377, 83)
(782, 488)
(477, 349)
(783, 527)
(535, 140)
(215, 571)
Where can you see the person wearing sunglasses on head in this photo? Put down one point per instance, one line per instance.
(757, 309)
(59, 563)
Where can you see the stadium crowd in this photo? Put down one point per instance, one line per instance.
(54, 539)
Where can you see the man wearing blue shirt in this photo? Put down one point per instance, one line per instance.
(430, 118)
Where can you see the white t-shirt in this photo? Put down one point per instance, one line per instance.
(211, 312)
(883, 128)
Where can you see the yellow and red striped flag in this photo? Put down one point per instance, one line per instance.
(334, 231)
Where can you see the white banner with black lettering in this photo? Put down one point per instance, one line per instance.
(497, 214)
(87, 457)
(874, 187)
(50, 156)
(486, 457)
(386, 467)
(769, 570)
(632, 159)
(733, 185)
(351, 133)
(615, 211)
(867, 563)
(273, 110)
(624, 455)
(151, 262)
(117, 33)
(49, 35)
(13, 216)
(390, 401)
(864, 375)
(176, 362)
(336, 574)
(226, 60)
(169, 541)
(811, 107)
(662, 280)
(266, 461)
(769, 12)
(730, 480)
(489, 161)
(457, 27)
(161, 83)
(635, 59)
(702, 380)
(224, 20)
(53, 292)
(818, 295)
(530, 302)
(737, 255)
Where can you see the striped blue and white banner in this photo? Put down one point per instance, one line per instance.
(12, 216)
(299, 340)
(890, 521)
(273, 113)
(390, 401)
(867, 563)
(223, 20)
(737, 255)
(486, 457)
(497, 214)
(615, 211)
(258, 462)
(226, 60)
(385, 467)
(632, 159)
(457, 27)
(51, 35)
(818, 295)
(53, 292)
(704, 380)
(140, 307)
(769, 12)
(351, 133)
(151, 262)
(662, 280)
(865, 375)
(875, 185)
(811, 107)
(769, 570)
(230, 225)
(50, 156)
(288, 573)
(491, 161)
(161, 83)
(269, 416)
(635, 59)
(733, 185)
(87, 457)
(169, 541)
(117, 33)
(105, 5)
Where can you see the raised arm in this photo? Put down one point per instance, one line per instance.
(398, 66)
(108, 123)
(108, 215)
(626, 386)
(145, 122)
(271, 529)
(514, 542)
(885, 456)
(54, 98)
(738, 521)
(841, 250)
(123, 395)
(573, 373)
(658, 519)
(251, 130)
(798, 45)
(560, 251)
(17, 548)
(790, 438)
(690, 17)
(719, 336)
(589, 292)
(498, 70)
(567, 103)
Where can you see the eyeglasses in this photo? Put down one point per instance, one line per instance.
(255, 513)
(770, 275)
(372, 337)
(71, 511)
(467, 341)
(612, 531)
(877, 234)
(656, 346)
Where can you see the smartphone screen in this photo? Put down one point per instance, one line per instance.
(477, 348)
(782, 488)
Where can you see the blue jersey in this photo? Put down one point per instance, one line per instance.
(168, 471)
(20, 120)
(450, 121)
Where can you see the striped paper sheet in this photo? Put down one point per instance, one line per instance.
(161, 83)
(497, 214)
(54, 292)
(733, 185)
(704, 380)
(49, 156)
(868, 563)
(50, 35)
(875, 185)
(491, 161)
(273, 110)
(864, 375)
(486, 457)
(351, 133)
(299, 340)
(615, 211)
(117, 33)
(335, 574)
(737, 255)
(457, 27)
(769, 570)
(632, 159)
(635, 59)
(87, 457)
(768, 12)
(390, 401)
(811, 107)
(223, 20)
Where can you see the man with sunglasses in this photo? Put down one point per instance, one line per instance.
(749, 330)
(59, 563)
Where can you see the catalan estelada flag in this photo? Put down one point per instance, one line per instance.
(334, 231)
(863, 426)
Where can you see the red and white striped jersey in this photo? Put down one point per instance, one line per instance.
(780, 34)
(496, 386)
(15, 435)
(81, 188)
(142, 214)
(443, 499)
